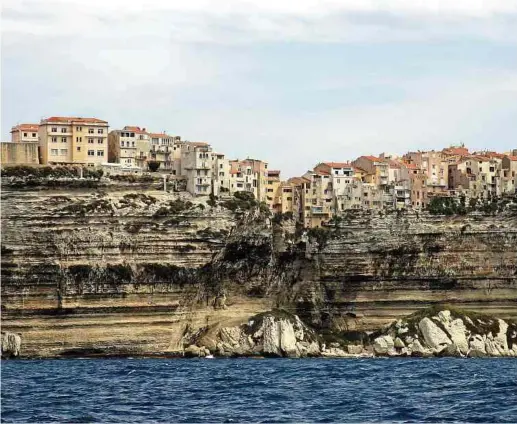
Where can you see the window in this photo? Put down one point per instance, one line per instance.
(239, 185)
(25, 134)
(53, 152)
(122, 143)
(53, 129)
(78, 148)
(64, 151)
(200, 181)
(63, 139)
(54, 139)
(132, 143)
(101, 141)
(90, 140)
(100, 152)
(91, 131)
(34, 134)
(91, 152)
(100, 131)
(63, 130)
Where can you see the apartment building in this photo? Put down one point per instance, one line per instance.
(163, 149)
(128, 146)
(249, 175)
(220, 174)
(377, 169)
(273, 199)
(418, 186)
(433, 164)
(298, 184)
(351, 197)
(509, 174)
(25, 133)
(196, 167)
(285, 198)
(341, 175)
(317, 198)
(480, 176)
(73, 140)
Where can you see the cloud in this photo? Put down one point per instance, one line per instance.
(291, 82)
(237, 22)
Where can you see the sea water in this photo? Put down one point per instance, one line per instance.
(260, 390)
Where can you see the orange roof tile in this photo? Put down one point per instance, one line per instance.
(160, 135)
(494, 155)
(74, 119)
(27, 127)
(512, 158)
(134, 129)
(456, 151)
(338, 164)
(321, 172)
(373, 158)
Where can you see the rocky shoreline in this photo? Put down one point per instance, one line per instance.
(433, 332)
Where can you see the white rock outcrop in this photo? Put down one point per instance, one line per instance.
(383, 344)
(433, 335)
(456, 330)
(11, 344)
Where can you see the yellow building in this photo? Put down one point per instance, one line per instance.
(73, 140)
(285, 198)
(27, 133)
(272, 185)
(249, 175)
(316, 198)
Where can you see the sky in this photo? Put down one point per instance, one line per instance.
(290, 82)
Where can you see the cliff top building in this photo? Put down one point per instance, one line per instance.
(73, 140)
(25, 133)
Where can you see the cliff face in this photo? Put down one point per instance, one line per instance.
(136, 273)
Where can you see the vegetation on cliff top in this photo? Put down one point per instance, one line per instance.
(491, 205)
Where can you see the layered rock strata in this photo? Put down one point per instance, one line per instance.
(122, 272)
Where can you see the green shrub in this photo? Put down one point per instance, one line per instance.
(153, 165)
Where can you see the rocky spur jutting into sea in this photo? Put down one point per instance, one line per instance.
(123, 269)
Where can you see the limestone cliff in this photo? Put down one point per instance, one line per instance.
(118, 271)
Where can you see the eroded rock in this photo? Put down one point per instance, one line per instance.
(11, 344)
(433, 335)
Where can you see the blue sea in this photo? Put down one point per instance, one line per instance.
(260, 390)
